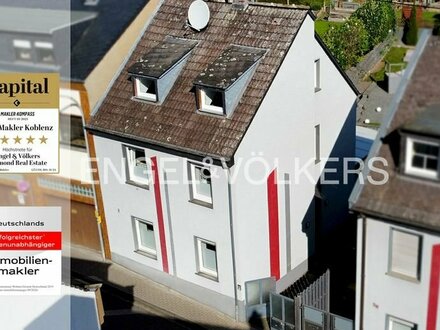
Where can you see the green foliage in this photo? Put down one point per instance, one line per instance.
(347, 42)
(379, 18)
(321, 27)
(436, 30)
(411, 29)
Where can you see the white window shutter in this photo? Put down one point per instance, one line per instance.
(405, 253)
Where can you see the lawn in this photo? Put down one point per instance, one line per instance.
(394, 56)
(321, 27)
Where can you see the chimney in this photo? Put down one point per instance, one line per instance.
(240, 4)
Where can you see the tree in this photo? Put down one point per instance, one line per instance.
(410, 28)
(379, 19)
(347, 42)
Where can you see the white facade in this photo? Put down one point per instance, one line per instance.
(282, 132)
(387, 295)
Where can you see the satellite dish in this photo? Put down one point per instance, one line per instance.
(198, 15)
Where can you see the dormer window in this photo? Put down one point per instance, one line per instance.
(145, 88)
(422, 158)
(154, 74)
(220, 86)
(422, 144)
(211, 100)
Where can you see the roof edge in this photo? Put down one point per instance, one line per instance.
(169, 149)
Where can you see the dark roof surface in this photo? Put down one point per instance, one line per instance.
(405, 199)
(162, 57)
(229, 66)
(175, 124)
(92, 39)
(427, 122)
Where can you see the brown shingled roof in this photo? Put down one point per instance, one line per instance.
(175, 124)
(406, 199)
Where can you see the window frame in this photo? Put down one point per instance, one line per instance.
(317, 74)
(212, 109)
(201, 269)
(409, 154)
(150, 97)
(195, 197)
(130, 176)
(419, 256)
(22, 44)
(139, 248)
(393, 319)
(38, 45)
(317, 133)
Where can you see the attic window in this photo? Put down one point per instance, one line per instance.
(154, 74)
(422, 158)
(220, 86)
(211, 100)
(145, 88)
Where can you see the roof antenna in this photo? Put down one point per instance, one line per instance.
(198, 15)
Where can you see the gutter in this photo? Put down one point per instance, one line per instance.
(231, 230)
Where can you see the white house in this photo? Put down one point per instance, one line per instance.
(398, 244)
(203, 143)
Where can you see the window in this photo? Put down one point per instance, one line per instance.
(317, 75)
(72, 131)
(23, 50)
(317, 144)
(144, 237)
(145, 88)
(45, 52)
(211, 101)
(200, 182)
(397, 324)
(422, 158)
(137, 168)
(206, 257)
(405, 254)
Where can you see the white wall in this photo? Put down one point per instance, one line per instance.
(389, 295)
(283, 129)
(121, 201)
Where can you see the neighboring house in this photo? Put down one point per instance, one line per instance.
(398, 267)
(85, 41)
(196, 137)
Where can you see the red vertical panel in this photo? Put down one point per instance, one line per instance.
(160, 221)
(274, 238)
(434, 289)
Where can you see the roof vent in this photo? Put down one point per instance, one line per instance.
(198, 15)
(240, 4)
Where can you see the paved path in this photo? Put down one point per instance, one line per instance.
(152, 303)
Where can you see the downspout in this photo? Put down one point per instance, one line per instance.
(362, 291)
(231, 229)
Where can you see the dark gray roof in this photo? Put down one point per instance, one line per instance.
(93, 38)
(232, 63)
(426, 123)
(162, 57)
(408, 200)
(30, 20)
(175, 124)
